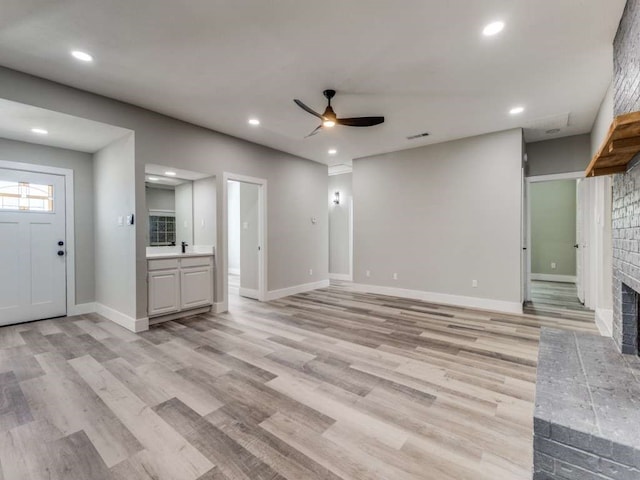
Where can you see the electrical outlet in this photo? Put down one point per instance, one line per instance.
(311, 271)
(474, 283)
(395, 276)
(368, 273)
(553, 265)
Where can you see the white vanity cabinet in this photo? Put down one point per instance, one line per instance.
(179, 284)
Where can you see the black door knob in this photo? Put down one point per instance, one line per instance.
(60, 253)
(60, 243)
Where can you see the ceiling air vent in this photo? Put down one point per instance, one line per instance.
(419, 135)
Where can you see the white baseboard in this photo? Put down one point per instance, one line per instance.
(548, 277)
(604, 321)
(234, 271)
(341, 276)
(130, 323)
(81, 309)
(220, 307)
(305, 287)
(443, 298)
(249, 293)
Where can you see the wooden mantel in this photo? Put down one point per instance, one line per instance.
(619, 147)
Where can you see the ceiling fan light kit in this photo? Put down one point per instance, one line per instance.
(330, 119)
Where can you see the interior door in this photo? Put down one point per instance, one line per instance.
(32, 246)
(579, 246)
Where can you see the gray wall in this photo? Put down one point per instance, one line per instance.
(184, 213)
(561, 155)
(161, 199)
(234, 226)
(204, 211)
(602, 122)
(82, 166)
(441, 216)
(249, 236)
(296, 187)
(115, 245)
(553, 227)
(340, 224)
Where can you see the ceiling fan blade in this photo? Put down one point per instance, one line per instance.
(317, 130)
(307, 109)
(360, 121)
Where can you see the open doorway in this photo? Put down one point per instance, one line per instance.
(245, 233)
(556, 246)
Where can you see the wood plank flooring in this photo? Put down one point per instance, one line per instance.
(557, 299)
(330, 384)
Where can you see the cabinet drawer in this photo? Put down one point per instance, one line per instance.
(196, 262)
(162, 264)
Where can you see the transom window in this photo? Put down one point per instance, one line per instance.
(25, 196)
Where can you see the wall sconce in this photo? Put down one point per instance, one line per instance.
(336, 198)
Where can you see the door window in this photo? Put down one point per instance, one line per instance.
(26, 197)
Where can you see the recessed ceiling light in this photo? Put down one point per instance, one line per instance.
(493, 29)
(82, 56)
(40, 131)
(153, 179)
(333, 151)
(254, 121)
(170, 173)
(516, 110)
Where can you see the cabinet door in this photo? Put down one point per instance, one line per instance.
(196, 287)
(164, 292)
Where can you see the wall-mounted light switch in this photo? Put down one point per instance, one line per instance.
(553, 265)
(120, 220)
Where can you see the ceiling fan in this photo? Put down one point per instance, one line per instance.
(330, 119)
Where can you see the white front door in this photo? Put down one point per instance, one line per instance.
(32, 246)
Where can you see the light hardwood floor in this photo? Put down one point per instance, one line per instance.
(329, 385)
(557, 299)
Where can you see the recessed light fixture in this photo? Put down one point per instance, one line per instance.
(254, 121)
(82, 56)
(170, 173)
(493, 29)
(153, 179)
(332, 151)
(40, 131)
(516, 110)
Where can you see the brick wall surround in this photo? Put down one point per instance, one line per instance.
(626, 187)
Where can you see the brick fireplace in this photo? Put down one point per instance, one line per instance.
(626, 188)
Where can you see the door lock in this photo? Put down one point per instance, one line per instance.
(60, 243)
(60, 253)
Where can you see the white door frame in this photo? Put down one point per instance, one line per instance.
(262, 233)
(69, 224)
(528, 182)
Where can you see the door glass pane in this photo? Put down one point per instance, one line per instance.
(27, 197)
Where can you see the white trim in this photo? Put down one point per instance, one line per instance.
(339, 169)
(262, 234)
(220, 307)
(233, 271)
(81, 309)
(305, 287)
(67, 173)
(556, 176)
(130, 323)
(604, 321)
(249, 293)
(443, 298)
(549, 277)
(345, 277)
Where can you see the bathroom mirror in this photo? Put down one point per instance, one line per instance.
(180, 207)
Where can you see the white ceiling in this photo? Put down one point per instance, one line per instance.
(65, 131)
(423, 64)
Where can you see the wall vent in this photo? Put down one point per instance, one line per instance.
(419, 135)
